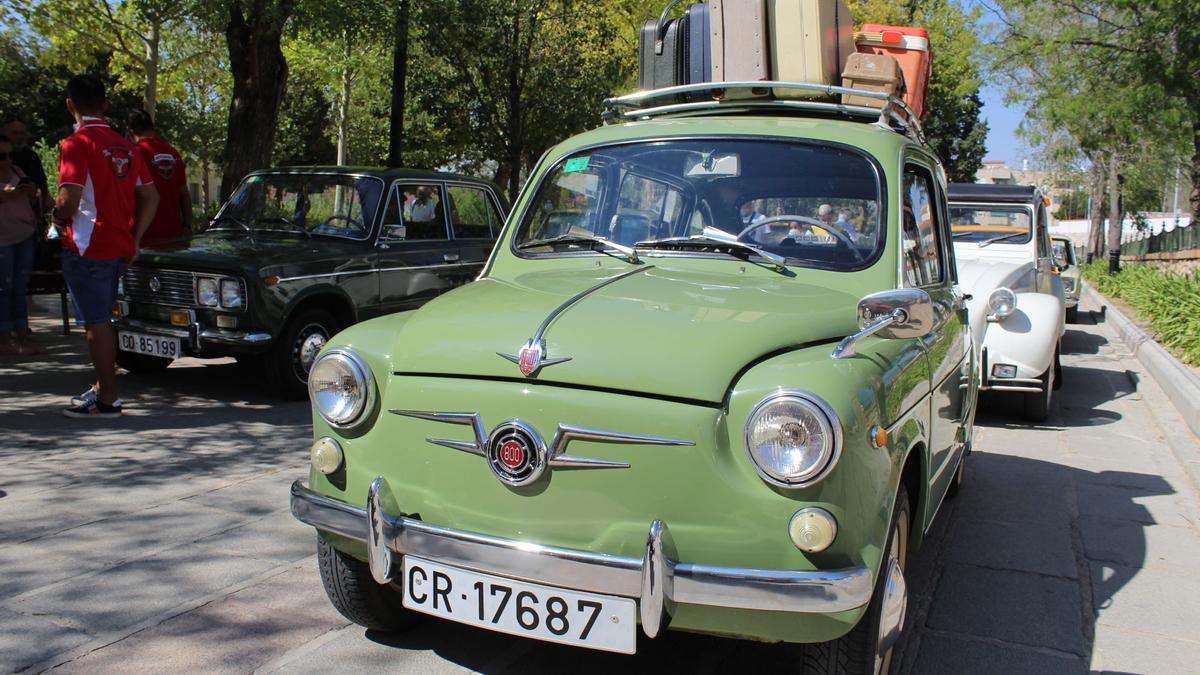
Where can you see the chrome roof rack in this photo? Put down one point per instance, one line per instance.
(641, 105)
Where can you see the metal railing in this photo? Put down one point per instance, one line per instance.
(713, 98)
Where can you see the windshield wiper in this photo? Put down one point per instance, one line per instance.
(1002, 237)
(237, 221)
(630, 254)
(285, 221)
(700, 241)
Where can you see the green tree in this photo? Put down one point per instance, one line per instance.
(953, 125)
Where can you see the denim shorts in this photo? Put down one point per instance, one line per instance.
(93, 286)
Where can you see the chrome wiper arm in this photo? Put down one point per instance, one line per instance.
(1002, 237)
(630, 254)
(777, 261)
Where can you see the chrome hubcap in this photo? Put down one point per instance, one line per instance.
(308, 344)
(894, 604)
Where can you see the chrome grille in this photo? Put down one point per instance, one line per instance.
(176, 288)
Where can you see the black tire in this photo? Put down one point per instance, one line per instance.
(285, 366)
(1058, 371)
(1073, 314)
(142, 364)
(854, 653)
(1037, 405)
(356, 596)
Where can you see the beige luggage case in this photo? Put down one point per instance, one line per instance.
(810, 42)
(872, 72)
(739, 42)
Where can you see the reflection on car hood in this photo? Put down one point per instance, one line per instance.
(232, 252)
(980, 276)
(664, 331)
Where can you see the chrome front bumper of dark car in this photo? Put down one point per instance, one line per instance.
(194, 337)
(657, 580)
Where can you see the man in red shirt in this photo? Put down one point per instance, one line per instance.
(105, 203)
(173, 219)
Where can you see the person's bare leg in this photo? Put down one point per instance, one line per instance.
(102, 345)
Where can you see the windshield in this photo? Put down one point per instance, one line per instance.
(816, 206)
(1004, 224)
(308, 204)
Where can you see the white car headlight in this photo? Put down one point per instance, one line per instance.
(231, 294)
(339, 385)
(1002, 302)
(207, 293)
(793, 438)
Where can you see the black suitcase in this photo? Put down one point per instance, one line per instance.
(662, 51)
(699, 55)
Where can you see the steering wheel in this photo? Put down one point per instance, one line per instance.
(839, 233)
(352, 223)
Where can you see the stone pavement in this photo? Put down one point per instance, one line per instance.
(162, 541)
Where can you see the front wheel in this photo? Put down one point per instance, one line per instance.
(1037, 405)
(1073, 314)
(869, 646)
(356, 596)
(292, 355)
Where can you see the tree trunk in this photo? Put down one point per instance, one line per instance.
(150, 98)
(1194, 199)
(259, 73)
(515, 132)
(205, 198)
(343, 115)
(1114, 215)
(1096, 248)
(399, 75)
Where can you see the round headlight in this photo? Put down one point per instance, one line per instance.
(793, 438)
(339, 385)
(1002, 302)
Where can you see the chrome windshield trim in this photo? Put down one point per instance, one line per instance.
(659, 569)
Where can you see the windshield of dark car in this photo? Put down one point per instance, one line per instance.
(318, 204)
(977, 224)
(816, 205)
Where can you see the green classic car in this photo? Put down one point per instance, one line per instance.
(715, 378)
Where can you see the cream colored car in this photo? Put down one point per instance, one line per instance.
(1064, 258)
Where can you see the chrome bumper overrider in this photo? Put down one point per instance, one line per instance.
(657, 579)
(194, 336)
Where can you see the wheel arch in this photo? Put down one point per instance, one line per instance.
(331, 299)
(913, 476)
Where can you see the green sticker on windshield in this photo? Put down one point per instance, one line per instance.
(577, 164)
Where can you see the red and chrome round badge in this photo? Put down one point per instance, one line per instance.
(516, 453)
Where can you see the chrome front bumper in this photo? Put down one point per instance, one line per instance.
(194, 336)
(657, 580)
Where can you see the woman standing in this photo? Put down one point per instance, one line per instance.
(18, 224)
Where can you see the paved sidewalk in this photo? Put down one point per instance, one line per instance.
(162, 542)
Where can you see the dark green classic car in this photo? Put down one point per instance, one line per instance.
(715, 378)
(298, 254)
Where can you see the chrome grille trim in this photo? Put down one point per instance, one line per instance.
(177, 287)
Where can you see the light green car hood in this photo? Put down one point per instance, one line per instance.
(669, 331)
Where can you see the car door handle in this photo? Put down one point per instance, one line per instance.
(450, 257)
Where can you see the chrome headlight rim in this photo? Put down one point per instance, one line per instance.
(821, 409)
(362, 375)
(215, 291)
(992, 304)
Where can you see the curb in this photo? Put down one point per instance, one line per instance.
(1181, 385)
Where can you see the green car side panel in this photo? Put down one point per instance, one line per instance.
(683, 350)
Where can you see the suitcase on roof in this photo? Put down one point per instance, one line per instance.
(662, 61)
(872, 72)
(739, 42)
(910, 46)
(699, 52)
(810, 42)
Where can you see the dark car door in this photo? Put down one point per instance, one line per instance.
(475, 219)
(417, 258)
(946, 345)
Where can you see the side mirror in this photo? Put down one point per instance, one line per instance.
(899, 314)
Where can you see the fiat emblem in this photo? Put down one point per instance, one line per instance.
(530, 358)
(155, 284)
(515, 453)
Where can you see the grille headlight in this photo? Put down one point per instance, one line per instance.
(231, 294)
(1002, 302)
(793, 438)
(207, 293)
(339, 385)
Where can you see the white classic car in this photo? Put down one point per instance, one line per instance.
(1064, 257)
(1016, 299)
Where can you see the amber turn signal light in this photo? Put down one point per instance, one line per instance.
(879, 436)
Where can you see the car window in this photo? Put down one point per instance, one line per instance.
(319, 204)
(414, 213)
(1007, 225)
(656, 190)
(919, 241)
(472, 213)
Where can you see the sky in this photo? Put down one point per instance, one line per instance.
(1002, 141)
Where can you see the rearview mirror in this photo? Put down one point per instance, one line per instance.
(899, 314)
